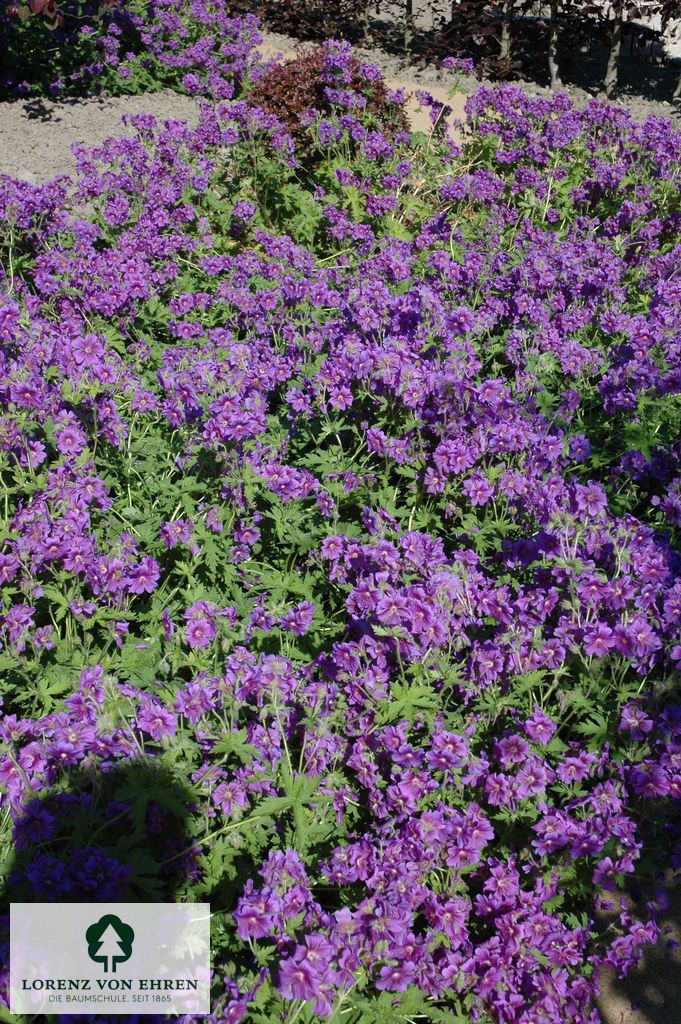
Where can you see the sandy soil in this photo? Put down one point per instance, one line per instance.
(36, 135)
(35, 140)
(652, 993)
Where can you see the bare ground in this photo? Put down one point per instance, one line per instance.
(36, 135)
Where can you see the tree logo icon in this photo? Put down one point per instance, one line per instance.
(109, 942)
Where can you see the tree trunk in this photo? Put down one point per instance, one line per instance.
(677, 91)
(507, 21)
(366, 31)
(505, 51)
(553, 48)
(613, 57)
(408, 25)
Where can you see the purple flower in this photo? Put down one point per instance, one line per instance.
(478, 489)
(299, 619)
(579, 447)
(297, 979)
(48, 877)
(462, 64)
(635, 721)
(142, 579)
(244, 209)
(539, 727)
(397, 978)
(598, 640)
(168, 625)
(200, 630)
(156, 720)
(591, 499)
(255, 913)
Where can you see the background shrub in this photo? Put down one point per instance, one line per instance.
(309, 83)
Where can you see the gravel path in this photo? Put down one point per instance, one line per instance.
(36, 135)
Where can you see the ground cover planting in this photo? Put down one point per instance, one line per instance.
(339, 540)
(81, 46)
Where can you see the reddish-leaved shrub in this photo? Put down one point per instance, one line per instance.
(293, 87)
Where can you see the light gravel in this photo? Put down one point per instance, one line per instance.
(36, 135)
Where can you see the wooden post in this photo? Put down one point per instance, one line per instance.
(366, 31)
(553, 48)
(505, 51)
(613, 56)
(408, 25)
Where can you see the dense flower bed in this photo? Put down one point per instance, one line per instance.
(339, 559)
(123, 46)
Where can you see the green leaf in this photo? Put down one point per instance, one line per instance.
(140, 660)
(235, 743)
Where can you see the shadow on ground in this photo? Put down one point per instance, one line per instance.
(582, 56)
(650, 994)
(123, 834)
(582, 63)
(120, 835)
(36, 108)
